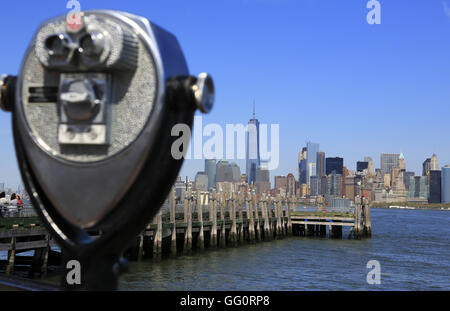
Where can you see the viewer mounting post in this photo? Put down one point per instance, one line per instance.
(93, 108)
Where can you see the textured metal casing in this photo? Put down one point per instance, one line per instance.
(85, 183)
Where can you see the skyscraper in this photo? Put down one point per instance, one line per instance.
(262, 179)
(445, 184)
(210, 170)
(201, 181)
(434, 165)
(370, 166)
(227, 172)
(418, 187)
(435, 187)
(253, 160)
(361, 166)
(320, 165)
(334, 164)
(311, 160)
(426, 167)
(401, 162)
(388, 161)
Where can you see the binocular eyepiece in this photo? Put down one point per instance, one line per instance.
(93, 108)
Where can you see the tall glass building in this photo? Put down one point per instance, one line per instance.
(334, 164)
(320, 164)
(210, 170)
(445, 184)
(388, 161)
(435, 187)
(311, 159)
(253, 159)
(418, 187)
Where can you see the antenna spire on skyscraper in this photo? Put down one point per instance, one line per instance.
(254, 108)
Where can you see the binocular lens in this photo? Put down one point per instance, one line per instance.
(92, 44)
(57, 45)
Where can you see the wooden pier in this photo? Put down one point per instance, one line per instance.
(203, 221)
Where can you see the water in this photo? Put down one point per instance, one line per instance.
(412, 246)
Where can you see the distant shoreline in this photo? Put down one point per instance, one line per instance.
(434, 208)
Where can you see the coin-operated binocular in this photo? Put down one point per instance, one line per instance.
(93, 108)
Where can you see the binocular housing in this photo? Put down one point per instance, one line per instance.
(93, 108)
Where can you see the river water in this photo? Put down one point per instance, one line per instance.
(412, 247)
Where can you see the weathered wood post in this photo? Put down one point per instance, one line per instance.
(188, 219)
(223, 233)
(270, 216)
(157, 237)
(201, 236)
(11, 257)
(258, 223)
(140, 246)
(278, 211)
(367, 220)
(173, 221)
(239, 203)
(251, 222)
(233, 231)
(357, 228)
(267, 229)
(290, 203)
(213, 219)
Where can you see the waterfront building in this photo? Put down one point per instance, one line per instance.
(435, 187)
(401, 162)
(445, 184)
(334, 165)
(262, 179)
(314, 189)
(180, 189)
(280, 182)
(388, 161)
(311, 160)
(339, 203)
(201, 181)
(210, 170)
(302, 164)
(290, 190)
(334, 184)
(253, 160)
(387, 180)
(370, 166)
(361, 166)
(320, 164)
(227, 172)
(323, 185)
(426, 167)
(406, 178)
(350, 187)
(434, 164)
(418, 188)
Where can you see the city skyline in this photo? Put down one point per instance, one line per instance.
(366, 97)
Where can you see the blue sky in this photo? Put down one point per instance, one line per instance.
(313, 66)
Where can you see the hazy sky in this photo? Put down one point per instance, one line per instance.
(315, 67)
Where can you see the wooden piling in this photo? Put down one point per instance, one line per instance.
(223, 236)
(233, 231)
(257, 219)
(173, 221)
(251, 223)
(201, 236)
(140, 252)
(188, 219)
(290, 206)
(157, 237)
(213, 220)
